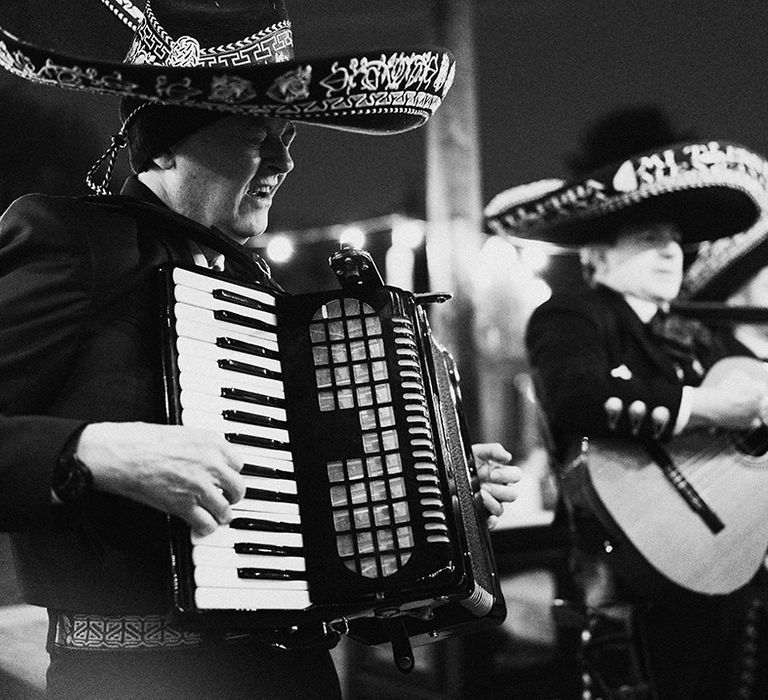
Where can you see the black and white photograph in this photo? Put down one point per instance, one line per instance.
(386, 350)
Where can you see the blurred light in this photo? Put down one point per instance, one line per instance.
(498, 256)
(280, 249)
(407, 233)
(534, 258)
(399, 262)
(352, 236)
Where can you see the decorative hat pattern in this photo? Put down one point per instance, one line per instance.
(154, 42)
(515, 198)
(710, 189)
(237, 56)
(721, 267)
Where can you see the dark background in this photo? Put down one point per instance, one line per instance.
(545, 68)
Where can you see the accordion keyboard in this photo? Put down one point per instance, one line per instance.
(230, 382)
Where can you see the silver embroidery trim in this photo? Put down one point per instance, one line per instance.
(152, 44)
(81, 631)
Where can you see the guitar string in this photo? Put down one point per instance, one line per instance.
(692, 466)
(697, 462)
(721, 444)
(700, 458)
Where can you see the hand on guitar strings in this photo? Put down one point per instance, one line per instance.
(498, 478)
(189, 473)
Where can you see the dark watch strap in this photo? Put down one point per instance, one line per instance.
(72, 480)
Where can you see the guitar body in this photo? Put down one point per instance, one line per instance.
(633, 498)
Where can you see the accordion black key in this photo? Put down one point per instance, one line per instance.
(362, 500)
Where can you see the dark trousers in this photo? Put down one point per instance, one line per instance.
(694, 647)
(688, 648)
(222, 671)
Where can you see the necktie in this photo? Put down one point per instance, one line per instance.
(678, 338)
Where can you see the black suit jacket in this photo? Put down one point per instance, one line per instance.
(79, 344)
(588, 346)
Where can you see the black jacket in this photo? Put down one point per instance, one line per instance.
(79, 344)
(589, 346)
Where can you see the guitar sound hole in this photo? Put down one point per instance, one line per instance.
(752, 442)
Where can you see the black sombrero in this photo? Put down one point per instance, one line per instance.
(237, 56)
(710, 189)
(721, 267)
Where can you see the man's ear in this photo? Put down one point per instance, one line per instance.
(164, 160)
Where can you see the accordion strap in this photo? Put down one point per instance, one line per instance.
(402, 653)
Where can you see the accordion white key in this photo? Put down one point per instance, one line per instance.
(362, 499)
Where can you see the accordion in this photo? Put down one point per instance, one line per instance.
(362, 510)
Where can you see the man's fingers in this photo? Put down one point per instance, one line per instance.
(213, 501)
(225, 469)
(487, 451)
(491, 504)
(200, 521)
(503, 493)
(231, 484)
(233, 459)
(505, 474)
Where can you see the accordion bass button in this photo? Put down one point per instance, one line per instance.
(434, 502)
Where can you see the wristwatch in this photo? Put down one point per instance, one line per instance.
(72, 480)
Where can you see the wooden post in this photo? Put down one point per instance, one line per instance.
(454, 197)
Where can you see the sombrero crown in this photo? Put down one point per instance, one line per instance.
(237, 56)
(710, 189)
(195, 33)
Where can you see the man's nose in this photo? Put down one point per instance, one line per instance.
(277, 157)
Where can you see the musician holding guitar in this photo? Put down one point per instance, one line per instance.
(87, 473)
(620, 390)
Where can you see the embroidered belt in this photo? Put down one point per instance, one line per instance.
(147, 632)
(126, 632)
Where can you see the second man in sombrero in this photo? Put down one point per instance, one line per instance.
(619, 386)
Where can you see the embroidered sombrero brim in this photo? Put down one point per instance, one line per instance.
(723, 266)
(378, 92)
(709, 189)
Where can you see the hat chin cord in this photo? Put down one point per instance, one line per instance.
(108, 158)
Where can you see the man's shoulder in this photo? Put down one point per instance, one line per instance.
(37, 204)
(48, 225)
(589, 309)
(54, 208)
(581, 300)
